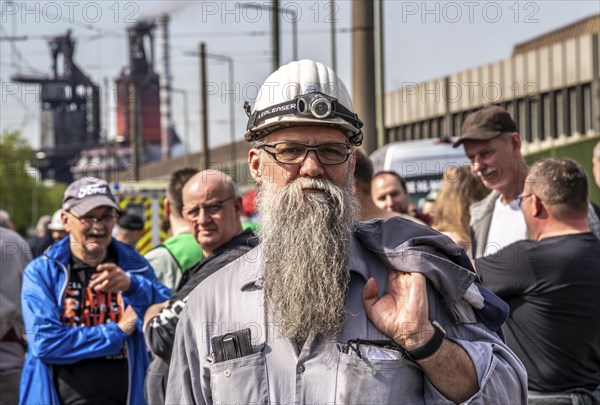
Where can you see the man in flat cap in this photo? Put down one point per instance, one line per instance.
(83, 301)
(492, 142)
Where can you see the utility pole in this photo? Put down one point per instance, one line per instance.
(166, 121)
(204, 107)
(333, 39)
(363, 72)
(134, 129)
(275, 33)
(107, 155)
(186, 125)
(13, 51)
(274, 19)
(380, 107)
(294, 31)
(229, 61)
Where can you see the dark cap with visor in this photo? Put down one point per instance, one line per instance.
(131, 222)
(485, 124)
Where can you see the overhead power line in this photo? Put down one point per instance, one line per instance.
(19, 55)
(253, 33)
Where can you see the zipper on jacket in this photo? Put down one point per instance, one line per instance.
(61, 301)
(129, 371)
(63, 290)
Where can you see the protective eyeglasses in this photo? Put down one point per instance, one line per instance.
(89, 220)
(521, 197)
(292, 153)
(192, 214)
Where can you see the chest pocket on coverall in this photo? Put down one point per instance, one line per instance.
(242, 380)
(365, 381)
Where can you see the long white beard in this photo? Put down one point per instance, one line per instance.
(305, 239)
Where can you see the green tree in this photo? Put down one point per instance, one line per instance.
(22, 194)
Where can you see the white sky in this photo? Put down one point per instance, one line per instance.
(423, 40)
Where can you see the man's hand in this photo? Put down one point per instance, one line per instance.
(110, 277)
(128, 321)
(402, 313)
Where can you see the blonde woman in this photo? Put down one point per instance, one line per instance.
(460, 189)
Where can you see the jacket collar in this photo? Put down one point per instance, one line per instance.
(60, 251)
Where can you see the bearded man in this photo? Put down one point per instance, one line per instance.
(328, 310)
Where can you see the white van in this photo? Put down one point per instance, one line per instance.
(421, 163)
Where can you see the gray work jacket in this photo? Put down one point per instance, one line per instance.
(322, 372)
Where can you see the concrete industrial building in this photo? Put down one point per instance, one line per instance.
(550, 85)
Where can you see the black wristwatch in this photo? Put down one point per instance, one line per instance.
(431, 346)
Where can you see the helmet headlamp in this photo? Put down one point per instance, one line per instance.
(311, 106)
(315, 105)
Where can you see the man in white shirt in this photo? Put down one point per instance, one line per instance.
(491, 140)
(492, 143)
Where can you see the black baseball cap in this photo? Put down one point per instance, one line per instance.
(131, 222)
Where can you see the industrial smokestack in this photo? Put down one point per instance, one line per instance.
(166, 119)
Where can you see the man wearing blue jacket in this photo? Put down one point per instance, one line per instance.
(83, 301)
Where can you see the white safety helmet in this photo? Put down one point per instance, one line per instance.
(56, 223)
(302, 93)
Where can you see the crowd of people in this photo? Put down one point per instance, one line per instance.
(339, 294)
